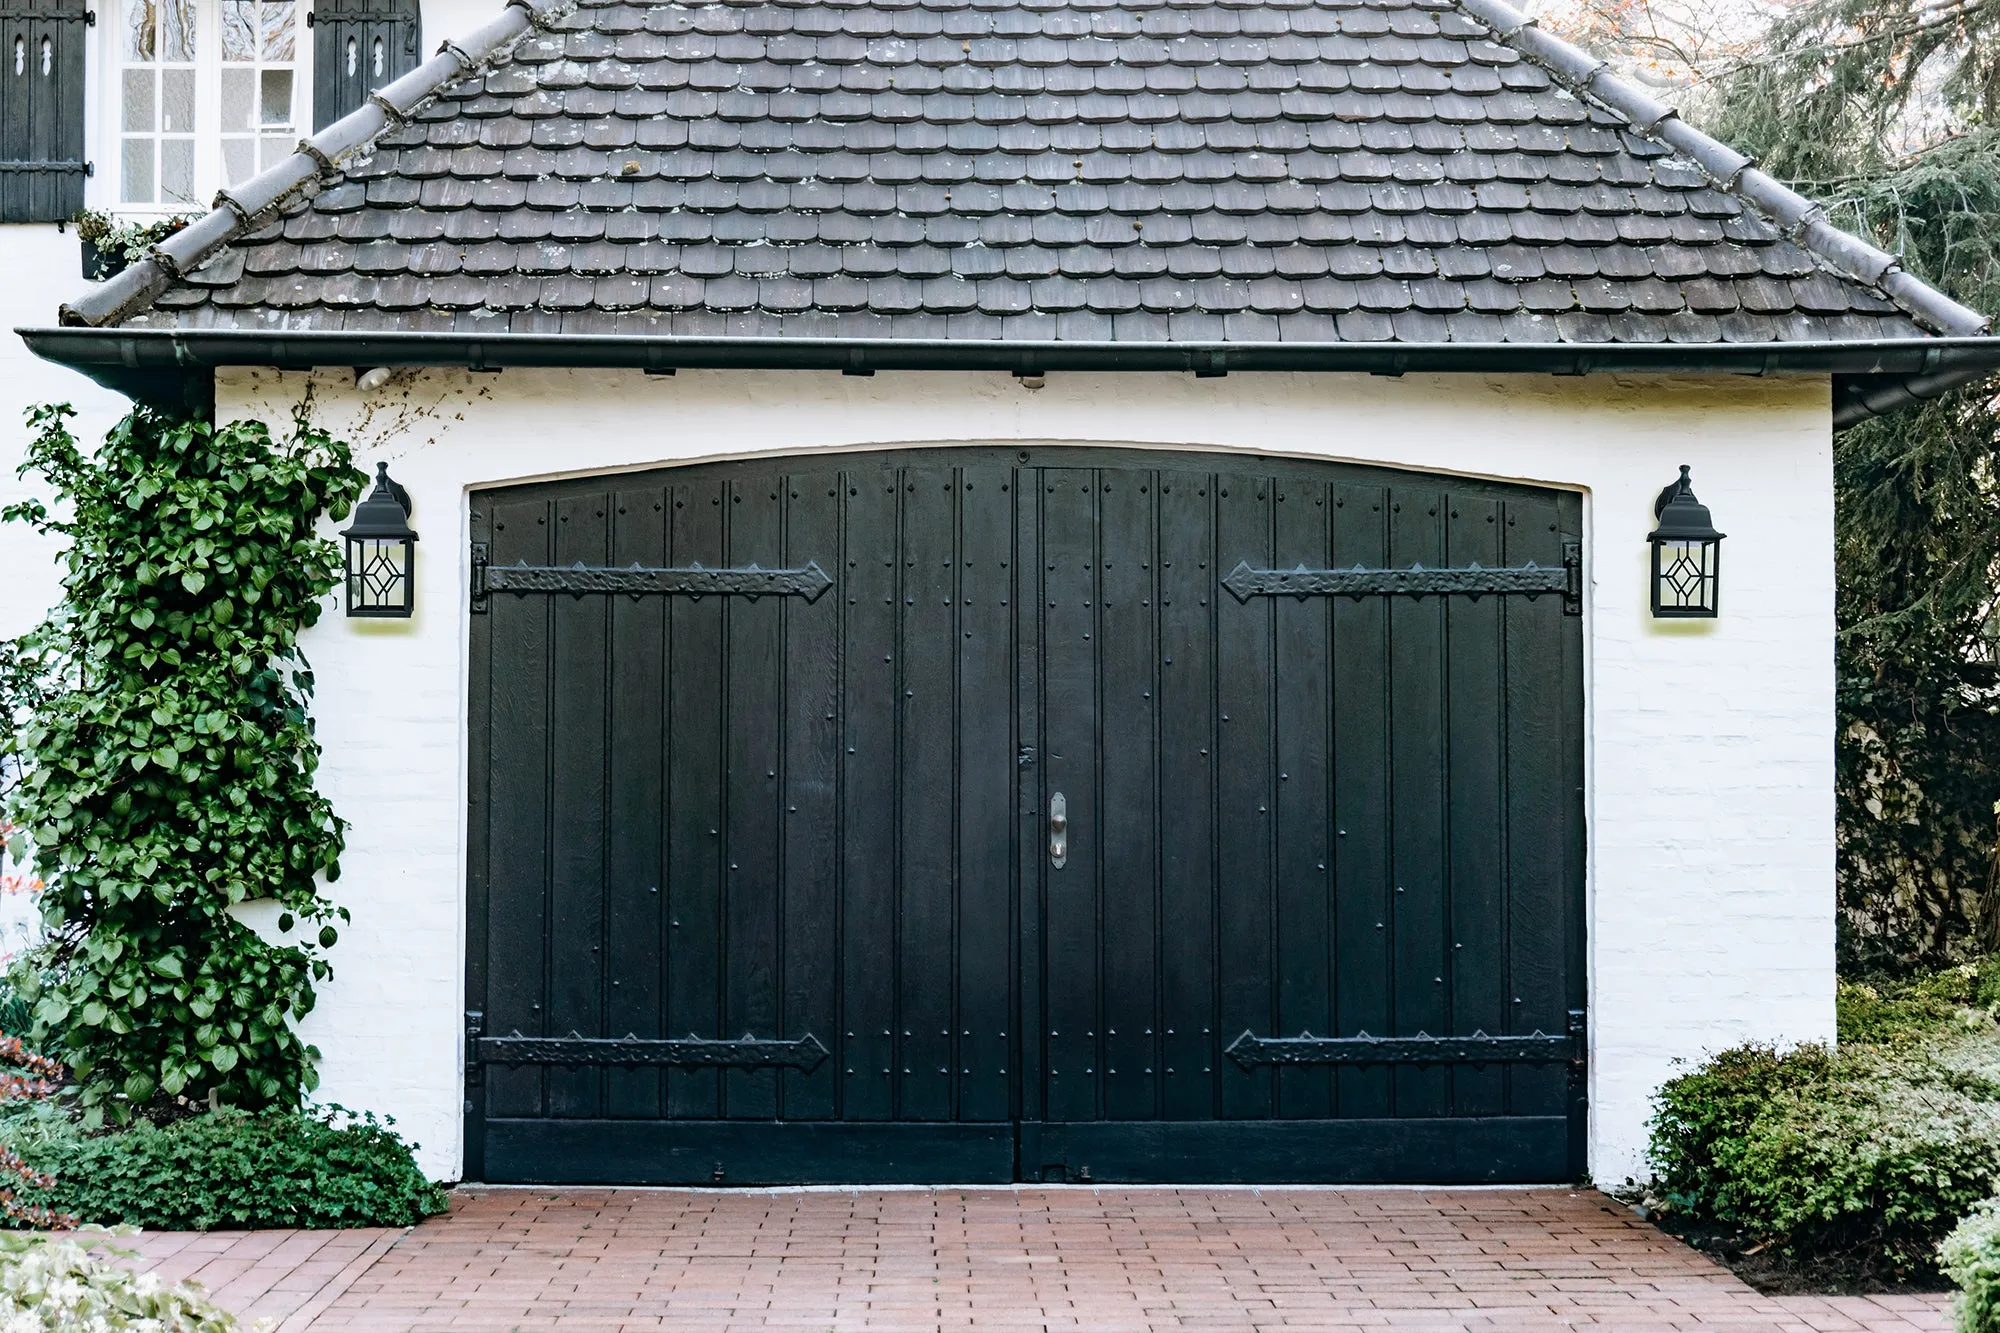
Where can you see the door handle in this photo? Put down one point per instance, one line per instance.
(1058, 831)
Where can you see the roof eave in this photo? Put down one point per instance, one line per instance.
(1870, 377)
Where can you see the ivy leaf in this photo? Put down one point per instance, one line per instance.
(142, 618)
(194, 582)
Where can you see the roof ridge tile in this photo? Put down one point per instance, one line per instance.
(1732, 172)
(239, 210)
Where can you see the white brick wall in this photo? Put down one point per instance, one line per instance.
(43, 270)
(1710, 761)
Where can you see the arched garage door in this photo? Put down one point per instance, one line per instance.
(983, 814)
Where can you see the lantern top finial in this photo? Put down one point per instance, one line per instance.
(1682, 518)
(385, 514)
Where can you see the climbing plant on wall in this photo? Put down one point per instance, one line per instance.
(165, 759)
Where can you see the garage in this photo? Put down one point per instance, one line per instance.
(1033, 813)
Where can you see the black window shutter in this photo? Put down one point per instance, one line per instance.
(41, 109)
(358, 45)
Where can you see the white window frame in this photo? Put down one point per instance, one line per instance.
(107, 187)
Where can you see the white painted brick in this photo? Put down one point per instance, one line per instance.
(1710, 748)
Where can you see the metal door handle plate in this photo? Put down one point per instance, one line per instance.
(1058, 831)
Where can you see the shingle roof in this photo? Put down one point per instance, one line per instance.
(1118, 170)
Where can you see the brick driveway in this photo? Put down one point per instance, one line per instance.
(1006, 1260)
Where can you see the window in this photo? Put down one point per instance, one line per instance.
(209, 96)
(259, 47)
(156, 157)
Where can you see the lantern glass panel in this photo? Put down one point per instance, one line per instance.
(378, 576)
(1684, 577)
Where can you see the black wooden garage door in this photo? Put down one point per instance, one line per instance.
(979, 815)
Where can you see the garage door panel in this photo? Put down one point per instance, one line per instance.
(635, 804)
(809, 913)
(1187, 796)
(1354, 814)
(696, 684)
(1245, 777)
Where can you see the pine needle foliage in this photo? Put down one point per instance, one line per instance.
(1888, 112)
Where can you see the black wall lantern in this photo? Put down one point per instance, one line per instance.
(381, 552)
(1687, 555)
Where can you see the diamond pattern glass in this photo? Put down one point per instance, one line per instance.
(378, 577)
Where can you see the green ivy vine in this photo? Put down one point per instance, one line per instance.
(163, 758)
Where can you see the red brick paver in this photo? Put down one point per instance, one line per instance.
(1104, 1260)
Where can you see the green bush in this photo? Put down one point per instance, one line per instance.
(1898, 1012)
(1873, 1168)
(228, 1168)
(1971, 1255)
(1702, 1119)
(1861, 1158)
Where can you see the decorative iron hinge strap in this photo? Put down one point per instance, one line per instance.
(1305, 1049)
(63, 167)
(1474, 580)
(684, 1052)
(640, 581)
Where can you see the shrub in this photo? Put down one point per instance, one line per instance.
(227, 1168)
(1971, 1255)
(1898, 1012)
(1701, 1119)
(1971, 1258)
(48, 1284)
(1862, 1158)
(1873, 1167)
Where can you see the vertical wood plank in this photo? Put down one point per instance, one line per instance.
(988, 760)
(578, 704)
(1303, 687)
(868, 795)
(927, 745)
(1245, 776)
(633, 946)
(1127, 759)
(1188, 954)
(1536, 805)
(1029, 1089)
(1474, 667)
(1417, 785)
(1361, 806)
(811, 769)
(695, 722)
(1070, 731)
(753, 833)
(518, 816)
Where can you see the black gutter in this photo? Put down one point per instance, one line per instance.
(153, 365)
